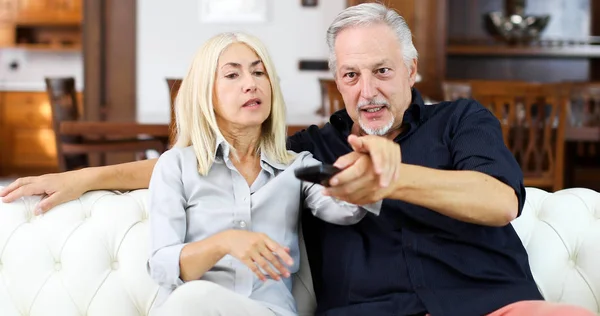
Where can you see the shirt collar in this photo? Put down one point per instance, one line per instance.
(222, 154)
(415, 113)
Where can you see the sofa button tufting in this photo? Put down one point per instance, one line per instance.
(57, 266)
(115, 265)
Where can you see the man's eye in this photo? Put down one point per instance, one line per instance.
(350, 75)
(383, 70)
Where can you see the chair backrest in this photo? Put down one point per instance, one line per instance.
(585, 104)
(331, 97)
(174, 84)
(533, 120)
(456, 90)
(63, 102)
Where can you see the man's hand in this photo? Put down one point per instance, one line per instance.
(385, 154)
(55, 188)
(368, 173)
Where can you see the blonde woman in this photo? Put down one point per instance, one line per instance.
(224, 202)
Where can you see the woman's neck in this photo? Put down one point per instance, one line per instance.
(245, 142)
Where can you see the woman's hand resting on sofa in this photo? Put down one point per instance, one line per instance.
(55, 188)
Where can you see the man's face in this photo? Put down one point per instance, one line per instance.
(372, 77)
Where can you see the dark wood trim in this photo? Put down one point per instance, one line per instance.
(109, 56)
(595, 31)
(429, 31)
(120, 50)
(92, 58)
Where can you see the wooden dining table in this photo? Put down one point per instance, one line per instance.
(128, 129)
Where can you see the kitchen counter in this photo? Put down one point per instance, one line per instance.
(28, 86)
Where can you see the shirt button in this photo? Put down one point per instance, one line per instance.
(242, 224)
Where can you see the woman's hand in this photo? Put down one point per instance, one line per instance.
(258, 250)
(55, 188)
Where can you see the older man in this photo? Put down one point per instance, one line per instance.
(443, 243)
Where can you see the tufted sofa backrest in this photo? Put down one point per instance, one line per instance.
(561, 232)
(88, 256)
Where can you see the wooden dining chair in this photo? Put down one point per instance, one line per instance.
(453, 90)
(332, 100)
(73, 151)
(584, 156)
(533, 119)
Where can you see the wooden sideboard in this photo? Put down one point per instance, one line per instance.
(27, 145)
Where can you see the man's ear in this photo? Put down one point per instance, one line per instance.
(412, 72)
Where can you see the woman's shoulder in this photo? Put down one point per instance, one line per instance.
(177, 155)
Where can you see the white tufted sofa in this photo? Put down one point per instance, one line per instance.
(87, 257)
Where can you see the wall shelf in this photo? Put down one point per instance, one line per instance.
(562, 51)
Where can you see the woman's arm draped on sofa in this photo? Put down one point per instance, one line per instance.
(59, 188)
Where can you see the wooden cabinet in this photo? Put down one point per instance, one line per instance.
(7, 10)
(41, 24)
(48, 11)
(27, 144)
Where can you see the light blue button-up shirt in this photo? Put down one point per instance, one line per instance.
(186, 207)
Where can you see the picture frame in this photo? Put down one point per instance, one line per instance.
(233, 11)
(309, 3)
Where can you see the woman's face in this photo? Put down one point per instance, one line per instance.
(242, 89)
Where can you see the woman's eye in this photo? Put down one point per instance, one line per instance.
(231, 76)
(259, 73)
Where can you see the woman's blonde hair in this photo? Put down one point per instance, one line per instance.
(194, 108)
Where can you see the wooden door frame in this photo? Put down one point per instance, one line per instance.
(109, 59)
(109, 66)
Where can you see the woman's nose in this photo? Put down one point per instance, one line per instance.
(249, 84)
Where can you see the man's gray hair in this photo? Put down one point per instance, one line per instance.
(369, 14)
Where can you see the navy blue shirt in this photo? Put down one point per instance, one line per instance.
(410, 260)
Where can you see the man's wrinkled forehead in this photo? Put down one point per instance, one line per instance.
(366, 47)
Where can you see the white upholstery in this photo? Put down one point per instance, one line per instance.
(87, 257)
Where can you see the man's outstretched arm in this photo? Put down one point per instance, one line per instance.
(62, 187)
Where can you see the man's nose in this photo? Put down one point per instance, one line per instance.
(368, 87)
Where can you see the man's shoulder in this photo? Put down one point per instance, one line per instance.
(456, 111)
(305, 139)
(459, 107)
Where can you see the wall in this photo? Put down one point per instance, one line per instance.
(169, 33)
(34, 66)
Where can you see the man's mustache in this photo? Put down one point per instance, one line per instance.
(376, 102)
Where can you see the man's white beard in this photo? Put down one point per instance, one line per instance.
(376, 131)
